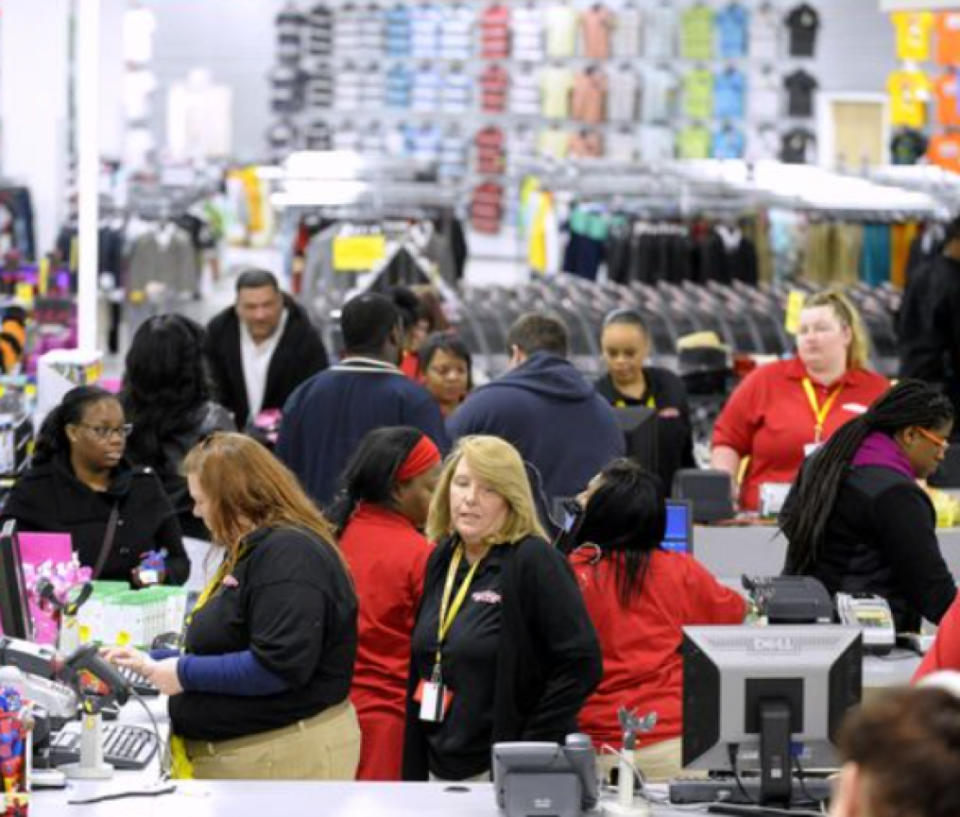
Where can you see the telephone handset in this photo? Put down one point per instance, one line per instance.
(873, 616)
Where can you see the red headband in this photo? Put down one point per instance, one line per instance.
(420, 460)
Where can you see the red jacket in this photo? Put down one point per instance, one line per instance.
(642, 667)
(769, 419)
(387, 557)
(945, 652)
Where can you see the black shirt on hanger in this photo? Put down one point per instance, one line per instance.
(800, 86)
(796, 145)
(908, 147)
(803, 21)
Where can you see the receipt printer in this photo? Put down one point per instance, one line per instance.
(790, 599)
(545, 779)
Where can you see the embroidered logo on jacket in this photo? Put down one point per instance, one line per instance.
(486, 597)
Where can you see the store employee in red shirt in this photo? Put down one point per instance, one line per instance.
(386, 494)
(782, 411)
(639, 598)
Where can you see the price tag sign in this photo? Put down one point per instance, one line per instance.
(358, 253)
(795, 302)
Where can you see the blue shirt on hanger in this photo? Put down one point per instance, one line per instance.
(732, 24)
(729, 87)
(728, 143)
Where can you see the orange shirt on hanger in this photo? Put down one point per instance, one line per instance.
(948, 38)
(944, 150)
(945, 91)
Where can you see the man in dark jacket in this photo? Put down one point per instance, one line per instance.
(929, 329)
(546, 409)
(328, 415)
(261, 348)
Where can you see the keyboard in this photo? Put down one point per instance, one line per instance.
(140, 685)
(124, 746)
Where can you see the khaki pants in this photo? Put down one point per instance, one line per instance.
(659, 761)
(324, 747)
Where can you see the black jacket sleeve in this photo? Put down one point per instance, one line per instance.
(905, 530)
(562, 629)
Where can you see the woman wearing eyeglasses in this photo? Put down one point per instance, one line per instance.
(80, 483)
(857, 520)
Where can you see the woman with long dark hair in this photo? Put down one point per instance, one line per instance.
(387, 487)
(639, 597)
(167, 398)
(856, 519)
(80, 482)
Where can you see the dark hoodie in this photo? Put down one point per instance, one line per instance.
(554, 418)
(49, 498)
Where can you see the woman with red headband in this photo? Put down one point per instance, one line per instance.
(386, 490)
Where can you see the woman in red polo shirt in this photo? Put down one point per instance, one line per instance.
(386, 494)
(639, 598)
(783, 410)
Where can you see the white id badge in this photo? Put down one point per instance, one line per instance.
(432, 701)
(810, 449)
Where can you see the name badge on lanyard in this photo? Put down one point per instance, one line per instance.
(433, 695)
(819, 413)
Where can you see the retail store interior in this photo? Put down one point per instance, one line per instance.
(534, 407)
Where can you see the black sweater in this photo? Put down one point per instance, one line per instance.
(48, 497)
(299, 354)
(881, 538)
(548, 657)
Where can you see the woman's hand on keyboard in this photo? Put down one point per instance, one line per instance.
(162, 674)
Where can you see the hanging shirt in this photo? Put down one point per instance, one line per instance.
(765, 33)
(800, 87)
(626, 32)
(657, 99)
(732, 23)
(256, 359)
(589, 99)
(803, 23)
(495, 32)
(764, 97)
(694, 143)
(661, 33)
(595, 25)
(944, 151)
(623, 95)
(556, 85)
(908, 147)
(946, 89)
(655, 144)
(456, 38)
(621, 146)
(909, 91)
(397, 31)
(796, 146)
(494, 82)
(913, 34)
(527, 28)
(728, 143)
(728, 93)
(553, 142)
(696, 33)
(763, 143)
(948, 37)
(698, 94)
(525, 94)
(561, 31)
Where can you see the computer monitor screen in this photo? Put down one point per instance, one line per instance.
(15, 619)
(678, 536)
(734, 676)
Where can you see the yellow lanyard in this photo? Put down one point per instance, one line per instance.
(819, 412)
(445, 622)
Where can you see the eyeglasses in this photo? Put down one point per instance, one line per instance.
(106, 432)
(936, 439)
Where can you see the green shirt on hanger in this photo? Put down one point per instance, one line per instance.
(696, 33)
(694, 143)
(698, 94)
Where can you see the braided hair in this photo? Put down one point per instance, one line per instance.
(814, 493)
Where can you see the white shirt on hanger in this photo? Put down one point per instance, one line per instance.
(764, 32)
(256, 359)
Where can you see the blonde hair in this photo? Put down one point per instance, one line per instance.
(246, 485)
(858, 355)
(500, 465)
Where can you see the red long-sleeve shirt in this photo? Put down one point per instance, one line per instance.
(387, 557)
(642, 667)
(945, 652)
(769, 419)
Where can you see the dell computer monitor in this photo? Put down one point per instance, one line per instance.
(785, 689)
(15, 618)
(678, 536)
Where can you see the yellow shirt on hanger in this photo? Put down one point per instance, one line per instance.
(909, 92)
(913, 34)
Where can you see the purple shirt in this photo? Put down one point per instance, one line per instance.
(882, 450)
